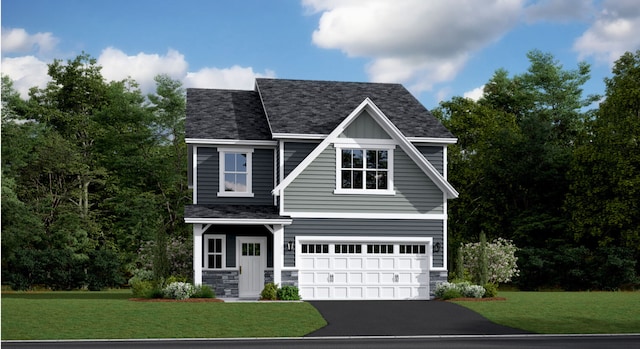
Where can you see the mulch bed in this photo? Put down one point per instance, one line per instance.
(189, 300)
(488, 299)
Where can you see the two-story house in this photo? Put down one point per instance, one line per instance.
(339, 188)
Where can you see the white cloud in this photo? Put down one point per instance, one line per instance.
(475, 94)
(417, 42)
(26, 72)
(614, 31)
(236, 77)
(117, 65)
(17, 40)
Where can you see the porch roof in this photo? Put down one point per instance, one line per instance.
(234, 214)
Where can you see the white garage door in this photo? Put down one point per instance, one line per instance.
(363, 270)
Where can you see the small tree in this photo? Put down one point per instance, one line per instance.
(483, 267)
(500, 260)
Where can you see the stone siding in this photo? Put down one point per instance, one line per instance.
(223, 282)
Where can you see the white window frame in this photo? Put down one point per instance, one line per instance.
(223, 254)
(364, 147)
(221, 156)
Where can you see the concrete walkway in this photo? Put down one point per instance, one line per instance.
(403, 318)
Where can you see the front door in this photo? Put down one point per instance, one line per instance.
(252, 262)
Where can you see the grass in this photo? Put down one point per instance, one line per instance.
(564, 312)
(110, 315)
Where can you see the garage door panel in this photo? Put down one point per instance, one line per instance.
(356, 263)
(341, 263)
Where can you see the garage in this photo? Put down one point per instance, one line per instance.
(372, 269)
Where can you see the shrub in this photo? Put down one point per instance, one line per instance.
(500, 260)
(141, 288)
(288, 293)
(491, 290)
(270, 292)
(451, 293)
(203, 291)
(179, 290)
(472, 291)
(448, 290)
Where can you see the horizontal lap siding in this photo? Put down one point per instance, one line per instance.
(207, 184)
(435, 155)
(364, 227)
(294, 153)
(312, 190)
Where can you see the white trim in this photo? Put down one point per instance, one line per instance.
(341, 191)
(237, 221)
(445, 233)
(243, 142)
(432, 140)
(365, 143)
(298, 136)
(364, 191)
(355, 215)
(341, 238)
(221, 172)
(205, 251)
(198, 231)
(444, 162)
(195, 174)
(278, 252)
(391, 129)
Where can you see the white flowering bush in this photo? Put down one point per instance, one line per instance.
(179, 290)
(501, 260)
(448, 290)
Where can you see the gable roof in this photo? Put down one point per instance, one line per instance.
(225, 114)
(318, 107)
(395, 134)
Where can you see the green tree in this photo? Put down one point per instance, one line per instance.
(604, 201)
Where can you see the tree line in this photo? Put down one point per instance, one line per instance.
(538, 164)
(94, 176)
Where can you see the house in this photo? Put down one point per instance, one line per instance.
(338, 188)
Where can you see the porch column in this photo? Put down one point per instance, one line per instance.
(197, 253)
(278, 252)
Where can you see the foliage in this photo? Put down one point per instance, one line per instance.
(203, 291)
(490, 290)
(179, 290)
(269, 292)
(449, 290)
(500, 260)
(288, 293)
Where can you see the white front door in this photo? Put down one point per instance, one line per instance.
(252, 261)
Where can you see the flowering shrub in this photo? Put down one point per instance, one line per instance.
(179, 290)
(501, 260)
(448, 290)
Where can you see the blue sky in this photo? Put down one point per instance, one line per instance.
(437, 49)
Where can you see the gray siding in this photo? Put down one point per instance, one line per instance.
(365, 227)
(294, 153)
(364, 126)
(207, 184)
(232, 232)
(312, 190)
(435, 155)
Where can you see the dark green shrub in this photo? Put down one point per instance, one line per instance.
(103, 270)
(270, 292)
(451, 293)
(141, 288)
(490, 290)
(288, 293)
(204, 291)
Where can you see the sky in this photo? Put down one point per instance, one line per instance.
(437, 49)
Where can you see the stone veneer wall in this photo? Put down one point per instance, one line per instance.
(223, 282)
(290, 278)
(434, 278)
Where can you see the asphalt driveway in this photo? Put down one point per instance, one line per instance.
(403, 318)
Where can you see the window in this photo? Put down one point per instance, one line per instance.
(250, 248)
(235, 172)
(364, 170)
(380, 248)
(348, 248)
(214, 251)
(413, 249)
(315, 248)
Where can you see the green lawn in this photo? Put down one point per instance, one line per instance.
(110, 315)
(564, 312)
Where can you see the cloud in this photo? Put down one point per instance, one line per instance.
(475, 94)
(17, 40)
(236, 77)
(416, 42)
(614, 31)
(562, 11)
(26, 72)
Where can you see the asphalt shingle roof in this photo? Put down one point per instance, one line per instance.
(232, 211)
(225, 114)
(317, 107)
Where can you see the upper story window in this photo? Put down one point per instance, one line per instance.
(364, 170)
(235, 172)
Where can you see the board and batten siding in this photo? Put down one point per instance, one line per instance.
(207, 182)
(365, 227)
(364, 126)
(313, 190)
